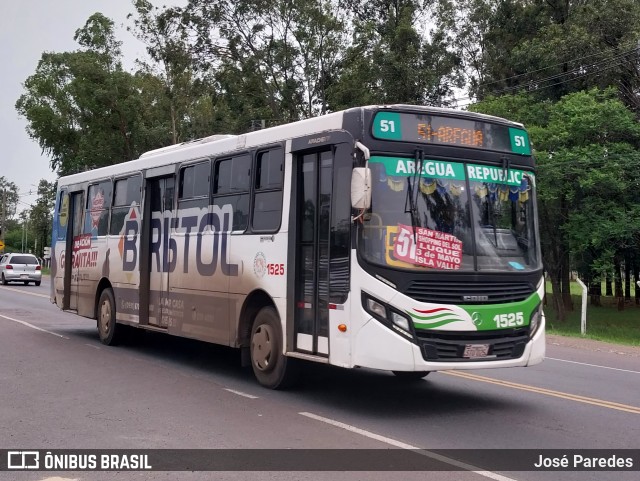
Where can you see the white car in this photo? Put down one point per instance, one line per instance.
(20, 268)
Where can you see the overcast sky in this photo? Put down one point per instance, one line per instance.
(28, 28)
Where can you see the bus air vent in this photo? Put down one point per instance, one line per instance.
(464, 293)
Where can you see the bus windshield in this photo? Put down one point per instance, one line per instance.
(430, 214)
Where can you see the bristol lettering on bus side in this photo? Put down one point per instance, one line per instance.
(164, 249)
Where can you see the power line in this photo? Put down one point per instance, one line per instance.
(550, 66)
(528, 86)
(570, 72)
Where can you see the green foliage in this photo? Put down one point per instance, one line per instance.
(181, 101)
(604, 323)
(13, 237)
(8, 198)
(41, 216)
(81, 107)
(548, 49)
(393, 60)
(270, 61)
(587, 147)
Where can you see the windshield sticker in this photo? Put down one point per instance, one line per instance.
(516, 265)
(484, 173)
(433, 248)
(390, 257)
(405, 167)
(437, 169)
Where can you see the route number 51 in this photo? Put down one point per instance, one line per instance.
(387, 126)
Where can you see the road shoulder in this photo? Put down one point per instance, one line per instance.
(593, 345)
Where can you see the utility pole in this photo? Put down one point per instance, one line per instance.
(4, 214)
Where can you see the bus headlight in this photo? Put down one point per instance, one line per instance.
(534, 322)
(376, 308)
(387, 315)
(400, 321)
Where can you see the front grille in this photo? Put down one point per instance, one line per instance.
(457, 292)
(448, 346)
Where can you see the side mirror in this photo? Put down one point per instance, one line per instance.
(361, 188)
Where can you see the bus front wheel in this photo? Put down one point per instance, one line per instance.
(271, 368)
(108, 330)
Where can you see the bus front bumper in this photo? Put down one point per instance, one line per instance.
(378, 347)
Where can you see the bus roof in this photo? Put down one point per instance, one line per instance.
(215, 145)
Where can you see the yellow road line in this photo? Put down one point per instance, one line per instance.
(46, 296)
(547, 392)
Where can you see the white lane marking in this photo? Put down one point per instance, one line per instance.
(59, 479)
(400, 444)
(24, 323)
(91, 345)
(593, 365)
(239, 393)
(24, 292)
(353, 429)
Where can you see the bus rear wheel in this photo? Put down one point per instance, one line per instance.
(108, 330)
(411, 375)
(271, 368)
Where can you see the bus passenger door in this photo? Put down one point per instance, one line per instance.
(314, 196)
(156, 255)
(74, 230)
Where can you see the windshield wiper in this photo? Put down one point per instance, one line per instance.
(492, 213)
(413, 197)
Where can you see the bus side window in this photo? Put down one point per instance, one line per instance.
(267, 203)
(63, 214)
(98, 203)
(126, 195)
(232, 180)
(193, 190)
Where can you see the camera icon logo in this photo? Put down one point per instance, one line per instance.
(23, 460)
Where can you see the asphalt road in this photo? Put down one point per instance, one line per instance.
(62, 389)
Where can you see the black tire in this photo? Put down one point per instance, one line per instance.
(271, 368)
(37, 283)
(109, 331)
(410, 376)
(4, 281)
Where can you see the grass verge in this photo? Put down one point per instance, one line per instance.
(604, 323)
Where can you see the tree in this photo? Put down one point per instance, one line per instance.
(586, 146)
(272, 61)
(394, 59)
(41, 216)
(9, 199)
(485, 34)
(180, 95)
(546, 47)
(81, 107)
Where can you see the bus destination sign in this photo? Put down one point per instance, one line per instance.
(439, 130)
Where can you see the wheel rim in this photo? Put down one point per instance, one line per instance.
(262, 347)
(105, 317)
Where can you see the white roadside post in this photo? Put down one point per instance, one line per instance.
(583, 315)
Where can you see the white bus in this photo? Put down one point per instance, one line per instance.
(399, 237)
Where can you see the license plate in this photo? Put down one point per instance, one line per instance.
(472, 351)
(24, 276)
